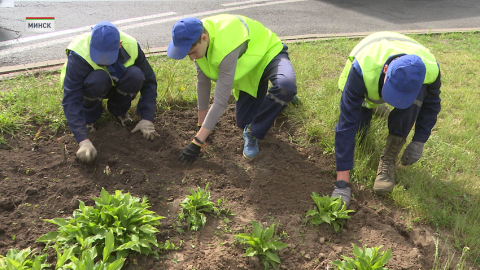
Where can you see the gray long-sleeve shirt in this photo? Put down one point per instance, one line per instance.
(223, 88)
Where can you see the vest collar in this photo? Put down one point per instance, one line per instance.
(382, 75)
(123, 56)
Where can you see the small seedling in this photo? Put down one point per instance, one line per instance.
(365, 259)
(328, 210)
(194, 207)
(260, 245)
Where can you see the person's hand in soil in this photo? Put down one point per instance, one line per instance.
(190, 153)
(147, 129)
(86, 152)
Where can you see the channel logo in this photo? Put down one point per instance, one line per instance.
(40, 24)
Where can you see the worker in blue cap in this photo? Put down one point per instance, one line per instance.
(386, 68)
(106, 64)
(238, 53)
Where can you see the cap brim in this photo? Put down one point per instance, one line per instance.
(103, 58)
(390, 95)
(177, 52)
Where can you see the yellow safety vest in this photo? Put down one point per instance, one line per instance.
(81, 45)
(226, 33)
(372, 53)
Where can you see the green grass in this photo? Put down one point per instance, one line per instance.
(442, 189)
(30, 99)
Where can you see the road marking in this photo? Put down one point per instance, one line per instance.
(79, 29)
(144, 18)
(242, 2)
(170, 19)
(34, 46)
(6, 3)
(205, 13)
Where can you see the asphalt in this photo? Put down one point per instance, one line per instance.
(54, 65)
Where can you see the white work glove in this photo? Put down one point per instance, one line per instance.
(412, 153)
(87, 152)
(147, 128)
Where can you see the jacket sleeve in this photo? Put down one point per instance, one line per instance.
(76, 72)
(427, 117)
(148, 93)
(350, 113)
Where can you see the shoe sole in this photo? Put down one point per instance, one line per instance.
(382, 191)
(249, 158)
(126, 123)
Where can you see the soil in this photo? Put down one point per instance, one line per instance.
(40, 179)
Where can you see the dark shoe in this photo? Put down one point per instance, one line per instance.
(250, 148)
(91, 127)
(124, 120)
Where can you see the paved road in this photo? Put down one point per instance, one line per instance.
(151, 21)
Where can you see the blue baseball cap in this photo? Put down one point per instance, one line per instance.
(104, 43)
(405, 77)
(185, 32)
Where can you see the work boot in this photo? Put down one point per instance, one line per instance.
(91, 127)
(386, 167)
(123, 120)
(250, 148)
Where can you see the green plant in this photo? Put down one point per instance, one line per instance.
(260, 245)
(365, 259)
(86, 259)
(194, 206)
(125, 216)
(224, 208)
(328, 210)
(19, 260)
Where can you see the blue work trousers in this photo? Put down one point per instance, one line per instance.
(260, 112)
(98, 86)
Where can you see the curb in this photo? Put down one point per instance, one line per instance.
(14, 70)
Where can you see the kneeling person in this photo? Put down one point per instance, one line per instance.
(106, 64)
(240, 54)
(386, 67)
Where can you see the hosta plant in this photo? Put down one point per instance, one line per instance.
(132, 225)
(261, 243)
(22, 259)
(328, 210)
(86, 259)
(365, 259)
(194, 207)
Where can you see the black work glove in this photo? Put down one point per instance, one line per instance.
(189, 154)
